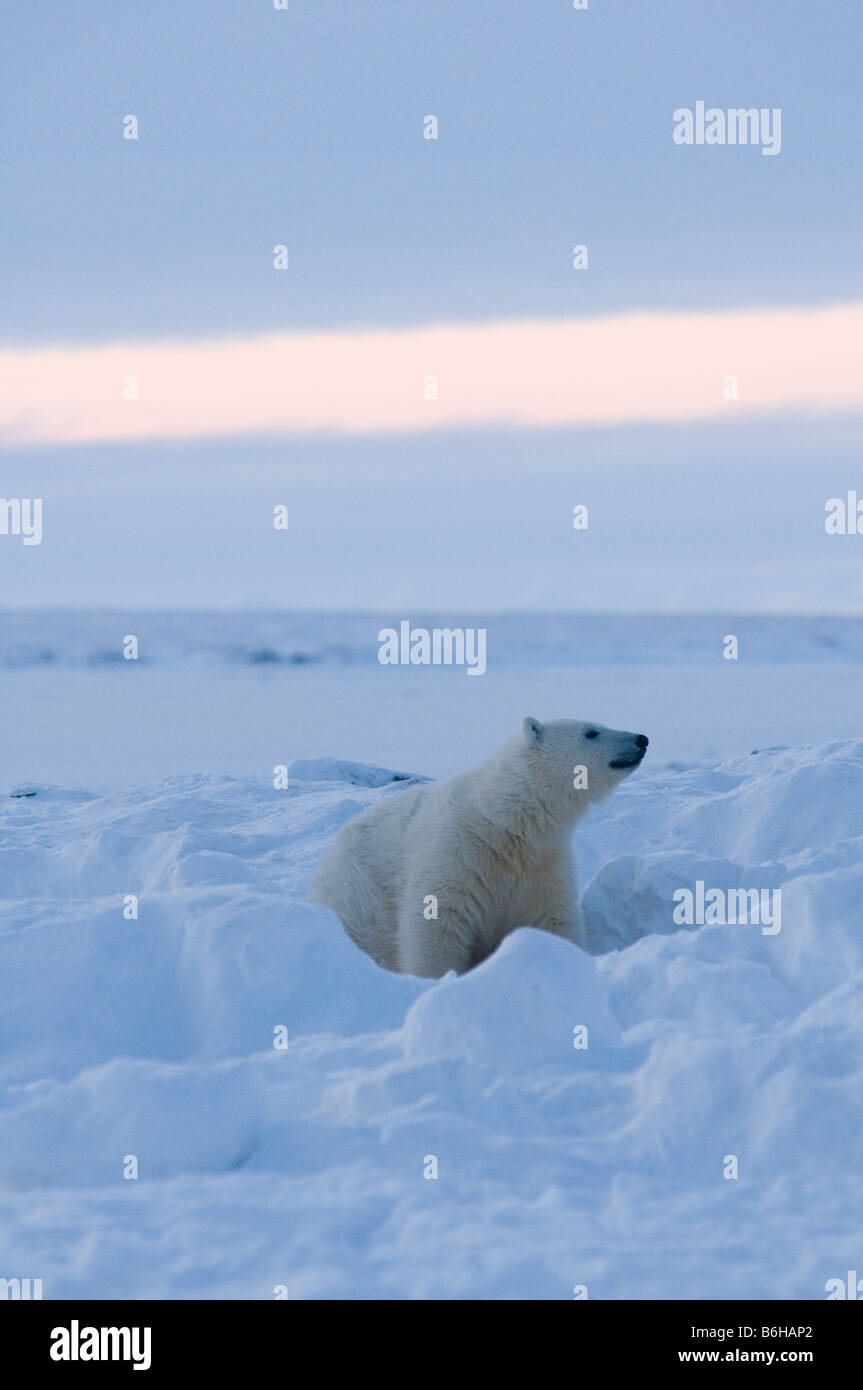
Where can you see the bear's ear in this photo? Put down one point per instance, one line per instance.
(532, 730)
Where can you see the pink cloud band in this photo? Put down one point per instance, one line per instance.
(627, 368)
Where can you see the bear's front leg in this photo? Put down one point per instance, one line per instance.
(432, 937)
(559, 911)
(555, 902)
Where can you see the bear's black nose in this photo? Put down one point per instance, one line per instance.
(642, 740)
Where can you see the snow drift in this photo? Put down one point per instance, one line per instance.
(558, 1165)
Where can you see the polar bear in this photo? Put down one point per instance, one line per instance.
(434, 876)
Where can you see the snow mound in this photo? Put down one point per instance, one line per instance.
(341, 770)
(298, 1116)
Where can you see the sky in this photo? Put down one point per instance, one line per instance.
(430, 386)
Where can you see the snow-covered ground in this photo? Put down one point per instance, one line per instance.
(304, 1165)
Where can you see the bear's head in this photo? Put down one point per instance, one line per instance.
(580, 762)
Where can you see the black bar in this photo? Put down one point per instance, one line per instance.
(224, 1338)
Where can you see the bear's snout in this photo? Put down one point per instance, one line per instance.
(633, 758)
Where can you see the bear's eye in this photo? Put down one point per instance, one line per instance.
(591, 733)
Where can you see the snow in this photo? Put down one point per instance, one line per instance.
(304, 1165)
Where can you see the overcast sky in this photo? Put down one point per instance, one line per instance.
(153, 258)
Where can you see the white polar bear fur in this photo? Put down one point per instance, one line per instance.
(491, 845)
